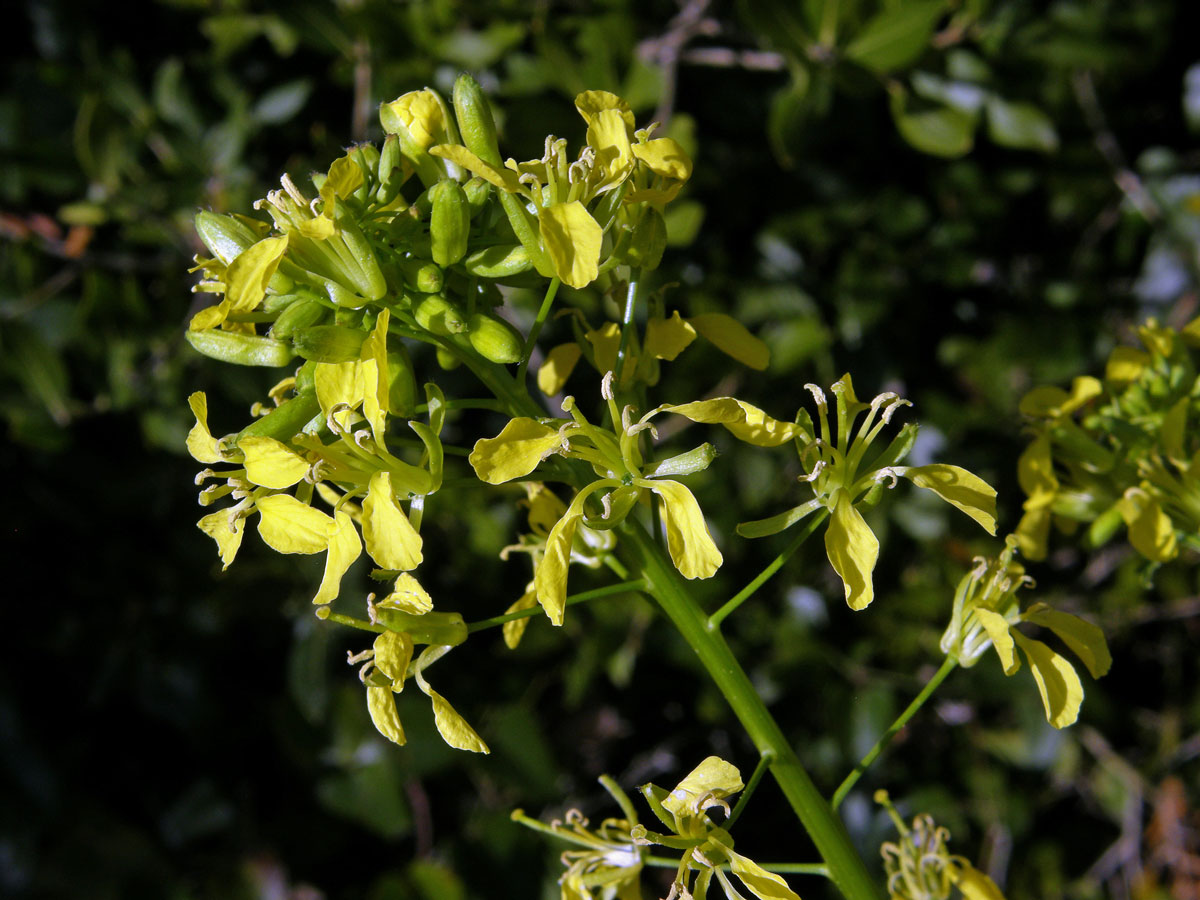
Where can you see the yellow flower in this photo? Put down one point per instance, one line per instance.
(841, 476)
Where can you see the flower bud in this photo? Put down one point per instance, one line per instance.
(475, 121)
(286, 420)
(449, 223)
(494, 339)
(438, 315)
(299, 314)
(499, 261)
(329, 343)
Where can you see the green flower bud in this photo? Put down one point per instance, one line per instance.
(329, 343)
(301, 313)
(402, 389)
(422, 275)
(449, 223)
(446, 628)
(649, 240)
(390, 171)
(475, 121)
(286, 420)
(478, 191)
(494, 339)
(438, 315)
(224, 236)
(447, 360)
(240, 349)
(500, 261)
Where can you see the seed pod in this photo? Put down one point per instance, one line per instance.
(494, 339)
(500, 261)
(300, 314)
(438, 315)
(449, 223)
(422, 275)
(329, 343)
(286, 420)
(240, 349)
(391, 171)
(475, 120)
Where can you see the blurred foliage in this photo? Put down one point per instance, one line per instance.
(956, 201)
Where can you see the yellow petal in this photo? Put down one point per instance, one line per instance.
(505, 179)
(289, 526)
(1000, 632)
(763, 884)
(554, 372)
(209, 317)
(408, 596)
(339, 383)
(247, 276)
(376, 381)
(691, 546)
(1049, 401)
(591, 103)
(1085, 639)
(665, 157)
(421, 114)
(544, 507)
(959, 488)
(200, 442)
(1150, 529)
(1034, 528)
(571, 238)
(550, 579)
(514, 630)
(450, 725)
(319, 228)
(608, 136)
(393, 653)
(730, 336)
(345, 176)
(382, 708)
(1125, 364)
(853, 550)
(667, 338)
(747, 423)
(272, 464)
(344, 549)
(229, 538)
(1035, 469)
(514, 452)
(714, 778)
(1057, 681)
(606, 342)
(390, 538)
(975, 885)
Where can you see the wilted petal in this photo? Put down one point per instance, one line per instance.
(450, 725)
(505, 179)
(393, 653)
(514, 629)
(714, 778)
(665, 157)
(408, 596)
(1000, 632)
(1085, 639)
(763, 884)
(745, 422)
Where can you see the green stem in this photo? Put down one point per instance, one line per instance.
(531, 341)
(326, 614)
(625, 587)
(631, 295)
(668, 862)
(715, 620)
(846, 868)
(881, 745)
(764, 761)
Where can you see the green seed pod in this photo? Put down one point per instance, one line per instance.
(494, 339)
(1105, 527)
(438, 315)
(329, 343)
(475, 121)
(286, 420)
(402, 389)
(240, 349)
(422, 275)
(300, 314)
(449, 223)
(500, 261)
(478, 191)
(428, 628)
(447, 360)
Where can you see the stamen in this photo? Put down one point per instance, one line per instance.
(332, 422)
(891, 408)
(880, 475)
(290, 187)
(353, 659)
(361, 437)
(203, 475)
(818, 395)
(606, 389)
(814, 474)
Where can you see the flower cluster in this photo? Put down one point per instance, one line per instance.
(1118, 451)
(842, 477)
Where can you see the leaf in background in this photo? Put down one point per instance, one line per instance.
(896, 37)
(281, 103)
(941, 131)
(1021, 126)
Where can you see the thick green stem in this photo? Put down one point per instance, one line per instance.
(881, 744)
(846, 868)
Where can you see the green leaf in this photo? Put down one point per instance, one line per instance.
(897, 36)
(1021, 126)
(941, 131)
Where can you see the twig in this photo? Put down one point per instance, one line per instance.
(667, 49)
